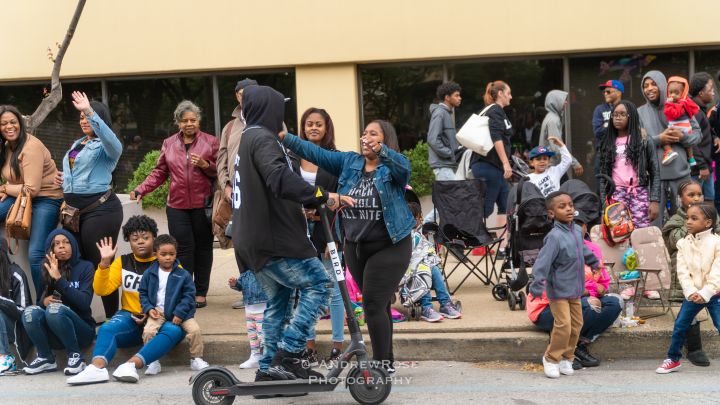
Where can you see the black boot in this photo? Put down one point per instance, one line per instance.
(693, 344)
(291, 366)
(584, 357)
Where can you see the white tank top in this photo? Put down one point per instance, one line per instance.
(309, 177)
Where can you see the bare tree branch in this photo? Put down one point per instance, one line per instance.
(53, 99)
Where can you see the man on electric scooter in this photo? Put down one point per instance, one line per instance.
(270, 235)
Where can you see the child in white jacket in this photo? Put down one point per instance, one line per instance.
(698, 271)
(547, 179)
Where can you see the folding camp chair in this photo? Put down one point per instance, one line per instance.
(654, 267)
(462, 228)
(612, 256)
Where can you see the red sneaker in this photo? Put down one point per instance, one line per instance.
(668, 366)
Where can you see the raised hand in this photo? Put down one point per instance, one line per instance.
(51, 265)
(107, 251)
(557, 141)
(80, 101)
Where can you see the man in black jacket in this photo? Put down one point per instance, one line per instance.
(270, 235)
(702, 91)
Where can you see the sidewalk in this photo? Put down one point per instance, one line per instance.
(488, 330)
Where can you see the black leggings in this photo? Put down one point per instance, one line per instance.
(104, 221)
(192, 230)
(377, 268)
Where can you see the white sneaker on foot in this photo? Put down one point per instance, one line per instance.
(198, 364)
(90, 375)
(126, 372)
(153, 368)
(552, 370)
(252, 362)
(565, 367)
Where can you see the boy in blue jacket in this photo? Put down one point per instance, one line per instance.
(167, 293)
(560, 271)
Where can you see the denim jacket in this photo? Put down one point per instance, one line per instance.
(251, 289)
(391, 177)
(92, 172)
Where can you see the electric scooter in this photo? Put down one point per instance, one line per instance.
(368, 382)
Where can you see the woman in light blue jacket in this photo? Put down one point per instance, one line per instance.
(87, 182)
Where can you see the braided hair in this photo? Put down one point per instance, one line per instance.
(633, 151)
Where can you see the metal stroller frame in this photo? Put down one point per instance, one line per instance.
(462, 228)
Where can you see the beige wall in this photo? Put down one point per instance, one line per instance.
(160, 36)
(333, 88)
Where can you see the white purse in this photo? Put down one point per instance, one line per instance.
(475, 133)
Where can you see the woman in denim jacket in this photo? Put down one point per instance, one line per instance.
(377, 228)
(86, 180)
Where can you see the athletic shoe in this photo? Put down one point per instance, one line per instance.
(430, 315)
(565, 367)
(310, 356)
(126, 372)
(449, 311)
(153, 368)
(335, 354)
(90, 375)
(389, 367)
(669, 156)
(651, 295)
(240, 304)
(668, 366)
(552, 370)
(583, 356)
(290, 366)
(40, 365)
(252, 362)
(692, 161)
(577, 365)
(7, 364)
(197, 364)
(75, 364)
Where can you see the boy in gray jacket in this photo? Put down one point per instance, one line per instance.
(560, 271)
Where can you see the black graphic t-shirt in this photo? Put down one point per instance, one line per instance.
(364, 222)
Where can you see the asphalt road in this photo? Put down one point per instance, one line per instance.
(621, 382)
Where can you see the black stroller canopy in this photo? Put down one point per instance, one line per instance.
(586, 202)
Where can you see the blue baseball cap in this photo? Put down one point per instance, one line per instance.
(541, 151)
(615, 84)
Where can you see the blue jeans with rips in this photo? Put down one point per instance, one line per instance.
(119, 331)
(684, 319)
(57, 326)
(278, 278)
(438, 284)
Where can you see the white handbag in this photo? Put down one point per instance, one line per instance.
(475, 133)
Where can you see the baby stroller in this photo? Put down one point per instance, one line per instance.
(527, 224)
(586, 202)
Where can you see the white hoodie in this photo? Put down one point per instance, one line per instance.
(698, 264)
(549, 180)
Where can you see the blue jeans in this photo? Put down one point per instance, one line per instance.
(594, 324)
(684, 319)
(119, 331)
(438, 284)
(45, 216)
(279, 278)
(496, 188)
(708, 188)
(56, 326)
(167, 337)
(7, 333)
(337, 309)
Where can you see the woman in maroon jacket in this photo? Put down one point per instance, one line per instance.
(189, 158)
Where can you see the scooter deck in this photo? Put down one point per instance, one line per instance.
(279, 387)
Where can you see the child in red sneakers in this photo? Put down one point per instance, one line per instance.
(679, 110)
(698, 272)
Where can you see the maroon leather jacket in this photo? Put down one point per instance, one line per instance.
(189, 185)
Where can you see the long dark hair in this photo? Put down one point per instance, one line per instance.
(5, 271)
(328, 141)
(22, 138)
(633, 151)
(391, 139)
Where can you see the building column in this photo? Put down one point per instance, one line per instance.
(335, 89)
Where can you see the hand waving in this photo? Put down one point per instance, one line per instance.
(80, 101)
(107, 251)
(51, 265)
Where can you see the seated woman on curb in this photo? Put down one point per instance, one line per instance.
(600, 310)
(63, 318)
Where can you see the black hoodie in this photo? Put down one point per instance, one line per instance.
(268, 196)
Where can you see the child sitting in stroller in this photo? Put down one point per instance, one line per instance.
(423, 274)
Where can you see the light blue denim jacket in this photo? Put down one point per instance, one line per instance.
(391, 177)
(92, 172)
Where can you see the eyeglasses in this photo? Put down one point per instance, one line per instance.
(620, 115)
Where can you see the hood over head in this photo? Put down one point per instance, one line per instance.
(554, 101)
(75, 257)
(686, 86)
(659, 78)
(264, 106)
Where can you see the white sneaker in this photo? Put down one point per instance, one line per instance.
(126, 372)
(90, 375)
(552, 370)
(153, 368)
(565, 367)
(198, 364)
(252, 362)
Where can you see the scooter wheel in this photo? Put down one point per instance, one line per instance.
(511, 301)
(522, 300)
(373, 390)
(499, 292)
(458, 305)
(207, 382)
